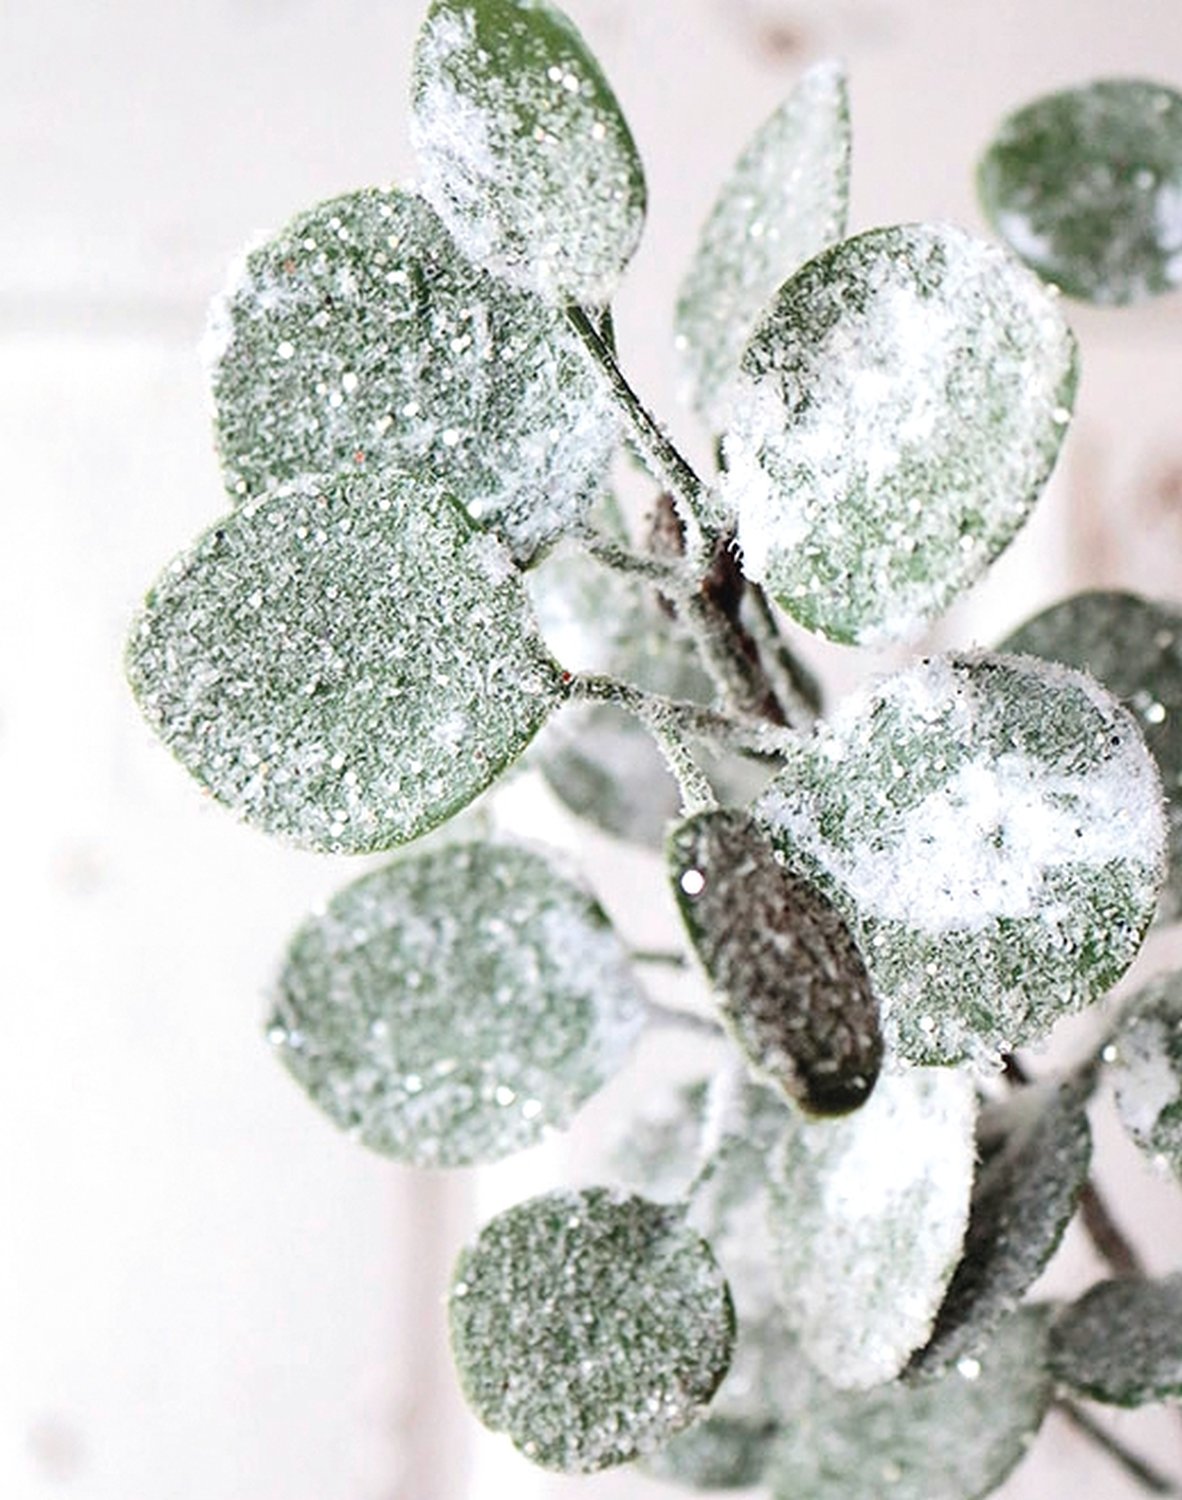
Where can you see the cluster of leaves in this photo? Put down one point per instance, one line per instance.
(820, 1270)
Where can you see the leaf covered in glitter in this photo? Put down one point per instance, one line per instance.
(345, 666)
(955, 1438)
(868, 1217)
(991, 827)
(1134, 647)
(589, 1326)
(1086, 186)
(788, 979)
(1122, 1342)
(785, 200)
(360, 338)
(1144, 1060)
(455, 1006)
(900, 406)
(523, 148)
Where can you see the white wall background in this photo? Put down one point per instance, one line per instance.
(205, 1294)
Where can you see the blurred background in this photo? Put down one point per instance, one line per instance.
(205, 1292)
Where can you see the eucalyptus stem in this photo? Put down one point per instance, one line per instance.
(671, 578)
(683, 1020)
(1139, 1469)
(689, 720)
(659, 957)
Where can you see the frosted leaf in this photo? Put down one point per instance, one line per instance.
(456, 1006)
(1145, 1065)
(991, 827)
(719, 1453)
(900, 407)
(1134, 647)
(868, 1217)
(589, 1326)
(1122, 1342)
(786, 199)
(788, 979)
(1086, 186)
(955, 1438)
(662, 1148)
(346, 666)
(1036, 1148)
(360, 338)
(523, 148)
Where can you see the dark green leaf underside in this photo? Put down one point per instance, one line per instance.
(1122, 1342)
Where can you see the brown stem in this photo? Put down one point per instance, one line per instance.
(1137, 1468)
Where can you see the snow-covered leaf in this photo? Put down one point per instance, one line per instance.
(360, 338)
(1086, 186)
(1134, 647)
(900, 407)
(345, 666)
(786, 199)
(524, 150)
(992, 829)
(955, 1438)
(718, 1453)
(868, 1217)
(589, 1326)
(1035, 1148)
(455, 1006)
(788, 979)
(1145, 1065)
(1122, 1342)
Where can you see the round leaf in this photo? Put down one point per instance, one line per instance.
(788, 979)
(1086, 186)
(523, 148)
(900, 407)
(1122, 1342)
(360, 338)
(345, 667)
(1134, 647)
(991, 827)
(1145, 1064)
(454, 1007)
(590, 1326)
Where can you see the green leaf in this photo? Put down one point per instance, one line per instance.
(955, 1438)
(590, 1326)
(1145, 1065)
(868, 1217)
(719, 1453)
(788, 979)
(1134, 647)
(523, 148)
(785, 200)
(345, 666)
(991, 827)
(1122, 1342)
(1086, 186)
(456, 1006)
(360, 338)
(900, 407)
(1036, 1148)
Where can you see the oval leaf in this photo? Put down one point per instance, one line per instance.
(524, 150)
(1145, 1065)
(1134, 647)
(589, 1326)
(900, 407)
(789, 980)
(345, 667)
(1122, 1342)
(1086, 186)
(454, 1007)
(868, 1218)
(785, 200)
(991, 827)
(360, 338)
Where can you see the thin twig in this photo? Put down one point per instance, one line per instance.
(693, 720)
(671, 578)
(683, 1020)
(661, 956)
(1139, 1469)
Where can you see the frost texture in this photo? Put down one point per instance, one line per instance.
(788, 979)
(360, 338)
(345, 667)
(590, 1326)
(1122, 1342)
(1134, 647)
(955, 1438)
(1145, 1065)
(455, 1007)
(1086, 186)
(868, 1216)
(524, 151)
(900, 408)
(992, 829)
(786, 199)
